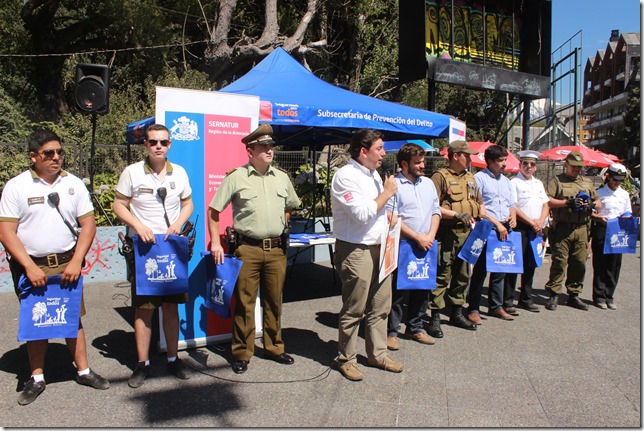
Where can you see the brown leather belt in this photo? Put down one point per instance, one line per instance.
(54, 259)
(266, 244)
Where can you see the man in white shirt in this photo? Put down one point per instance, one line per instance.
(358, 198)
(532, 211)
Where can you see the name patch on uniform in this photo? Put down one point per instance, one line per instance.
(143, 190)
(348, 197)
(36, 201)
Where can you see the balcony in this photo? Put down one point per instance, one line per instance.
(614, 121)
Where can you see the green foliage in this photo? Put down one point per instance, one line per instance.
(105, 190)
(305, 185)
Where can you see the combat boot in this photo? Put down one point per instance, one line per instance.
(434, 328)
(552, 302)
(575, 302)
(459, 320)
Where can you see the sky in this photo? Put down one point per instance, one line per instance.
(595, 19)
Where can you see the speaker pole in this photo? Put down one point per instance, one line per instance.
(91, 169)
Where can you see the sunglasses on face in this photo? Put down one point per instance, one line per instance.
(48, 154)
(163, 142)
(531, 164)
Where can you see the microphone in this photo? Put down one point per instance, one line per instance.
(54, 198)
(162, 194)
(388, 167)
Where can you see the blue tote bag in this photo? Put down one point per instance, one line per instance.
(220, 283)
(162, 267)
(475, 242)
(48, 312)
(504, 256)
(536, 247)
(621, 235)
(416, 267)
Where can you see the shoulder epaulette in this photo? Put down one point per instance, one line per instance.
(231, 171)
(280, 169)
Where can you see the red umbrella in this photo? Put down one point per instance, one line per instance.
(591, 157)
(478, 160)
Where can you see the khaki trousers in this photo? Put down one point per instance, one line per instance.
(569, 245)
(362, 298)
(264, 271)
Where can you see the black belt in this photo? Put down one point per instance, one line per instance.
(54, 259)
(266, 244)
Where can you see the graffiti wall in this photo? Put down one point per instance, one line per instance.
(104, 263)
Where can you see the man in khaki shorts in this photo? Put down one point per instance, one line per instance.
(140, 204)
(48, 202)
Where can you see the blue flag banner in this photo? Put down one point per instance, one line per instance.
(536, 245)
(621, 235)
(475, 242)
(220, 283)
(504, 256)
(48, 312)
(416, 267)
(162, 267)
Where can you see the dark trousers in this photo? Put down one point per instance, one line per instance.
(606, 268)
(416, 301)
(525, 296)
(495, 297)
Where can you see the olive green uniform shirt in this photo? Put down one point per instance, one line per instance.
(259, 201)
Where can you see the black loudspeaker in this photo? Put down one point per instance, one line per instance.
(92, 88)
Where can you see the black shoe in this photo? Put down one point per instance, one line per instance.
(93, 380)
(460, 321)
(511, 310)
(282, 358)
(141, 372)
(575, 302)
(31, 391)
(528, 306)
(552, 302)
(178, 368)
(434, 327)
(240, 366)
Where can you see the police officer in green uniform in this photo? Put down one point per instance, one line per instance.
(572, 199)
(262, 197)
(461, 203)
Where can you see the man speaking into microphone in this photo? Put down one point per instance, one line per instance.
(358, 198)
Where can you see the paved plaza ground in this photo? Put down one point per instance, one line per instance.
(567, 368)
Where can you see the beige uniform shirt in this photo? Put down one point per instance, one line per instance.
(259, 201)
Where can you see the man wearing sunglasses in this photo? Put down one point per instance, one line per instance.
(146, 211)
(532, 210)
(40, 243)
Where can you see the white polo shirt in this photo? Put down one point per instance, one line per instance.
(140, 185)
(353, 193)
(529, 195)
(614, 202)
(40, 228)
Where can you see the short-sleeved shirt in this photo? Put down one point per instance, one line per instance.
(356, 218)
(40, 228)
(415, 203)
(529, 195)
(259, 201)
(140, 184)
(614, 202)
(496, 192)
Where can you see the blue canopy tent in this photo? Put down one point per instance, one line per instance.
(397, 145)
(303, 109)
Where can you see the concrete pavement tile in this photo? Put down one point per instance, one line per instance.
(477, 417)
(427, 415)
